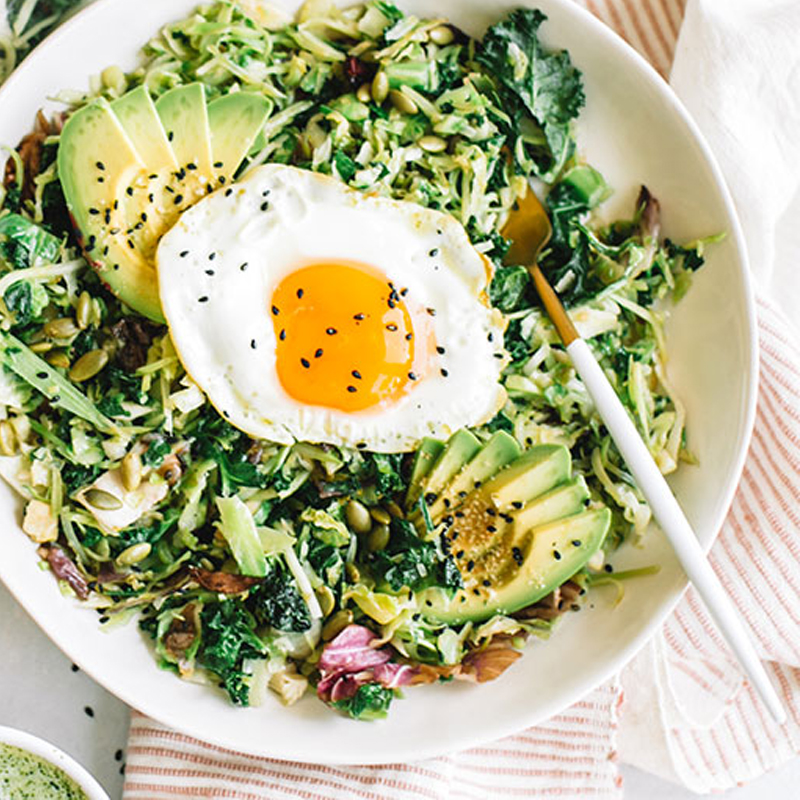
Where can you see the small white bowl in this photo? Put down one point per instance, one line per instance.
(52, 755)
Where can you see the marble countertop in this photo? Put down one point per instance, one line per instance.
(42, 692)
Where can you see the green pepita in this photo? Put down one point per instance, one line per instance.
(8, 439)
(380, 87)
(57, 358)
(134, 554)
(83, 313)
(358, 517)
(378, 538)
(88, 365)
(326, 599)
(61, 328)
(41, 347)
(364, 93)
(379, 515)
(131, 471)
(433, 144)
(395, 510)
(336, 624)
(442, 35)
(405, 105)
(103, 500)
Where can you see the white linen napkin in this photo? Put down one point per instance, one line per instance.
(737, 69)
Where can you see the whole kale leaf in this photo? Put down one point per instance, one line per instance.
(545, 84)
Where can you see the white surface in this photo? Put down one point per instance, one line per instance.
(634, 130)
(40, 693)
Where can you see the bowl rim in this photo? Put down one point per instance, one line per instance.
(494, 729)
(53, 755)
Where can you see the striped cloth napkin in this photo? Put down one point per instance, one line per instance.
(681, 709)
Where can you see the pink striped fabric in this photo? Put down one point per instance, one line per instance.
(574, 754)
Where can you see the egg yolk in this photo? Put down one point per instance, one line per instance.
(345, 337)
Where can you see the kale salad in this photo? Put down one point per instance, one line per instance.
(259, 566)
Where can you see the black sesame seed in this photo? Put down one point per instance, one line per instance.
(487, 582)
(491, 512)
(212, 256)
(444, 372)
(93, 211)
(574, 607)
(517, 504)
(331, 331)
(431, 311)
(556, 555)
(170, 189)
(265, 193)
(228, 192)
(184, 253)
(391, 327)
(318, 353)
(499, 355)
(102, 620)
(430, 498)
(390, 302)
(129, 191)
(440, 350)
(299, 294)
(108, 216)
(433, 253)
(191, 166)
(152, 176)
(476, 591)
(305, 362)
(118, 755)
(358, 317)
(460, 554)
(178, 199)
(243, 267)
(116, 266)
(282, 335)
(446, 503)
(75, 668)
(253, 344)
(41, 375)
(491, 529)
(101, 165)
(89, 711)
(409, 337)
(351, 389)
(361, 446)
(412, 376)
(490, 337)
(170, 136)
(265, 206)
(151, 197)
(608, 568)
(203, 299)
(91, 242)
(180, 174)
(138, 226)
(276, 310)
(222, 179)
(218, 165)
(517, 555)
(131, 245)
(209, 272)
(356, 374)
(101, 179)
(459, 514)
(576, 542)
(143, 217)
(226, 415)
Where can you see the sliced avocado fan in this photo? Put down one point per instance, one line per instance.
(129, 168)
(516, 523)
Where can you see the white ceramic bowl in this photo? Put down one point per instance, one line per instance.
(48, 752)
(635, 131)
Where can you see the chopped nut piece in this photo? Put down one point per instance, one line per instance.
(288, 685)
(39, 522)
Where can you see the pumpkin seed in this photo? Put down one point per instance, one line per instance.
(364, 93)
(57, 358)
(336, 624)
(102, 548)
(105, 501)
(8, 439)
(379, 515)
(442, 35)
(352, 573)
(378, 538)
(131, 471)
(405, 105)
(380, 87)
(88, 365)
(83, 314)
(61, 328)
(433, 144)
(326, 600)
(41, 347)
(134, 554)
(358, 517)
(395, 510)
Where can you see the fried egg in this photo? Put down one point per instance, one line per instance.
(307, 311)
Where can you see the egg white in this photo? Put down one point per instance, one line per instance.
(218, 268)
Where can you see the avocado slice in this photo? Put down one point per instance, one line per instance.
(500, 450)
(97, 165)
(429, 450)
(566, 499)
(234, 122)
(552, 554)
(128, 170)
(460, 448)
(184, 115)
